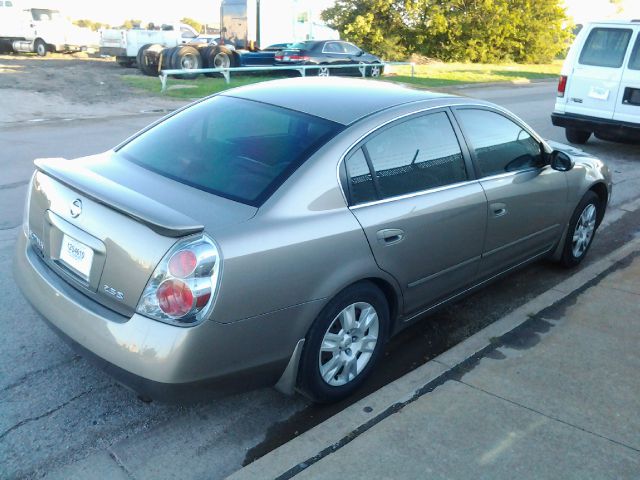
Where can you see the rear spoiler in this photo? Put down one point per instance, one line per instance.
(158, 217)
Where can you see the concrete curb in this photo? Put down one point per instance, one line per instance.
(329, 436)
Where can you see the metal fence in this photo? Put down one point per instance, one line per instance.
(323, 70)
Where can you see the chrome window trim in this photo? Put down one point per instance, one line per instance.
(495, 108)
(414, 194)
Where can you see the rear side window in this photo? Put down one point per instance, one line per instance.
(634, 61)
(417, 154)
(234, 148)
(361, 185)
(605, 47)
(500, 145)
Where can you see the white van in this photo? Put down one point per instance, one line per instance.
(599, 87)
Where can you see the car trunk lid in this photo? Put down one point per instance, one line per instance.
(104, 224)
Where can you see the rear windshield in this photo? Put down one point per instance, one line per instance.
(235, 148)
(605, 47)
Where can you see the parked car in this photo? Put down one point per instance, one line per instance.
(328, 53)
(599, 87)
(281, 233)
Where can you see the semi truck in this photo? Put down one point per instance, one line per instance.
(251, 32)
(39, 30)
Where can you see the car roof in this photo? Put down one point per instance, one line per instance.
(340, 100)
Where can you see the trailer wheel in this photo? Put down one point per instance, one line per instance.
(40, 47)
(142, 62)
(220, 57)
(186, 58)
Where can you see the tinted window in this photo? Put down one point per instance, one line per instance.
(605, 47)
(634, 61)
(500, 144)
(416, 155)
(333, 47)
(235, 148)
(350, 48)
(361, 186)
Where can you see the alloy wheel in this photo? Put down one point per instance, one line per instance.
(584, 231)
(348, 344)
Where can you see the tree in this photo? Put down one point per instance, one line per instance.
(455, 30)
(197, 26)
(129, 24)
(375, 25)
(95, 26)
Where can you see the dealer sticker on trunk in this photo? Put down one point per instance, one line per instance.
(77, 256)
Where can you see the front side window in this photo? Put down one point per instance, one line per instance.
(500, 144)
(415, 155)
(605, 47)
(234, 148)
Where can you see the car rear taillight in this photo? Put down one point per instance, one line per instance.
(562, 85)
(279, 58)
(299, 58)
(183, 286)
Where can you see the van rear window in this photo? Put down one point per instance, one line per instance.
(605, 47)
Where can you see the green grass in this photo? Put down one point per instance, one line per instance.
(449, 74)
(432, 75)
(187, 89)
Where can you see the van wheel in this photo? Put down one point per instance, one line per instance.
(575, 135)
(344, 343)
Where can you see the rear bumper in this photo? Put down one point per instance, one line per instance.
(594, 124)
(157, 360)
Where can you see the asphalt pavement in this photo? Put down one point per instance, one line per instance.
(59, 415)
(555, 396)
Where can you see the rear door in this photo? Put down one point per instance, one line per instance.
(628, 104)
(593, 86)
(421, 209)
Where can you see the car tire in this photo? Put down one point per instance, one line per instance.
(344, 343)
(40, 47)
(186, 58)
(575, 135)
(324, 71)
(375, 70)
(582, 228)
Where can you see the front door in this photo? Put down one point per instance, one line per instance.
(526, 198)
(423, 213)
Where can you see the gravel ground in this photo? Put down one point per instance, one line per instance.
(70, 86)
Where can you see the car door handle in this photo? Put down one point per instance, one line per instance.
(390, 236)
(498, 209)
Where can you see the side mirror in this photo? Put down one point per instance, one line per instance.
(561, 161)
(360, 53)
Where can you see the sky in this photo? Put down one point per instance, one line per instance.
(207, 11)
